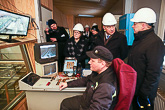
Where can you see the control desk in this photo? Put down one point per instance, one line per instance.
(43, 92)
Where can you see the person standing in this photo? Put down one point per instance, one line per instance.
(94, 35)
(87, 33)
(146, 57)
(100, 85)
(110, 38)
(57, 34)
(77, 45)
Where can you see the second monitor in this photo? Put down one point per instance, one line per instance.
(47, 69)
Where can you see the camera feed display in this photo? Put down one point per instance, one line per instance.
(50, 69)
(70, 65)
(48, 51)
(11, 23)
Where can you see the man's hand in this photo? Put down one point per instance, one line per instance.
(46, 30)
(63, 85)
(53, 39)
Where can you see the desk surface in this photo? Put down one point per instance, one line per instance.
(41, 83)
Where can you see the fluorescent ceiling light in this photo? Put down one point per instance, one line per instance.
(92, 0)
(85, 15)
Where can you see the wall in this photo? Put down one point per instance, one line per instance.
(70, 22)
(59, 17)
(84, 21)
(161, 26)
(47, 14)
(47, 4)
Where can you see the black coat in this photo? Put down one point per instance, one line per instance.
(62, 36)
(117, 44)
(146, 57)
(100, 89)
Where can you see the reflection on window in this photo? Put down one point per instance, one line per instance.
(12, 68)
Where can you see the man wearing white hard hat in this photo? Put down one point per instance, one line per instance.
(87, 32)
(110, 38)
(77, 45)
(146, 57)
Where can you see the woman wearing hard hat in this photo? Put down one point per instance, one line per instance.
(77, 46)
(146, 57)
(111, 38)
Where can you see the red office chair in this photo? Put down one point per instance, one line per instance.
(126, 76)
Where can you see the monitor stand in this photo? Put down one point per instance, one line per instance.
(10, 40)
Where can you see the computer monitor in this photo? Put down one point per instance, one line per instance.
(70, 65)
(47, 69)
(46, 52)
(13, 24)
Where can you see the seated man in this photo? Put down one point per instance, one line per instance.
(100, 85)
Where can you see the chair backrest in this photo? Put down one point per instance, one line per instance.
(126, 76)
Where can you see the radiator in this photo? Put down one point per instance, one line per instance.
(159, 103)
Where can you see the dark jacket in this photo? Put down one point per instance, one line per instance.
(62, 36)
(77, 50)
(87, 36)
(92, 42)
(146, 57)
(100, 90)
(117, 44)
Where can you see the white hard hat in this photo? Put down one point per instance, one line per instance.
(94, 24)
(86, 26)
(109, 19)
(78, 27)
(146, 15)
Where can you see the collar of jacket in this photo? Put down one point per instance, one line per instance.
(95, 77)
(113, 36)
(142, 34)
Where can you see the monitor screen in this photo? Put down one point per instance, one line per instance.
(50, 69)
(46, 52)
(13, 23)
(69, 64)
(31, 79)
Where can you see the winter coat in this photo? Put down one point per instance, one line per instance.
(100, 89)
(117, 44)
(62, 36)
(146, 57)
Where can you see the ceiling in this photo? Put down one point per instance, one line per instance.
(89, 7)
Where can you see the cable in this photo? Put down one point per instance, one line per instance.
(33, 22)
(32, 35)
